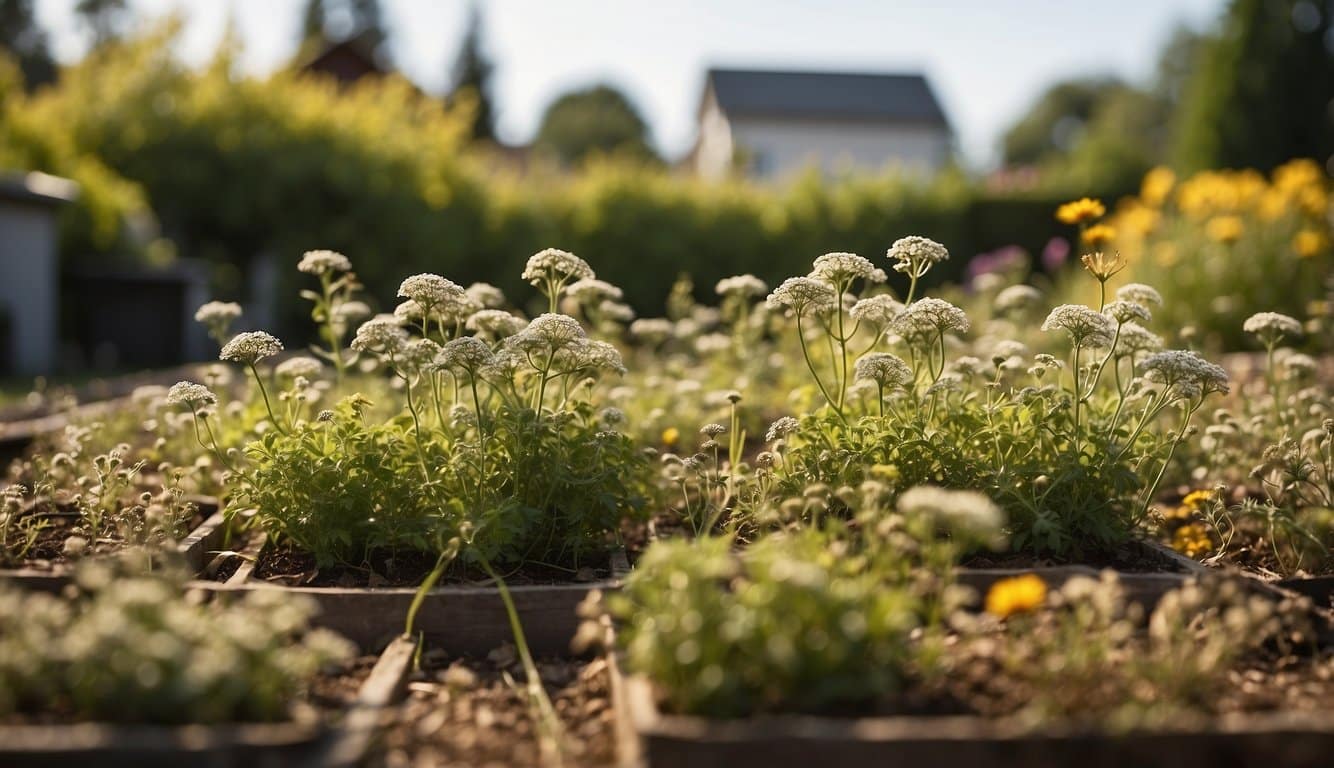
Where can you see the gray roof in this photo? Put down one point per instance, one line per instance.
(848, 95)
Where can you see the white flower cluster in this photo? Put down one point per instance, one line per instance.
(302, 366)
(590, 355)
(495, 323)
(801, 295)
(1272, 325)
(251, 347)
(914, 255)
(1123, 311)
(218, 312)
(652, 330)
(886, 370)
(1086, 327)
(963, 510)
(486, 295)
(591, 291)
(781, 428)
(555, 264)
(1136, 338)
(381, 335)
(347, 311)
(878, 311)
(466, 354)
(432, 292)
(926, 318)
(322, 262)
(842, 268)
(1017, 298)
(547, 333)
(191, 394)
(741, 285)
(1186, 372)
(1144, 295)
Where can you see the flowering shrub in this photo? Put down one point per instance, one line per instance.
(1224, 245)
(497, 442)
(1071, 445)
(133, 649)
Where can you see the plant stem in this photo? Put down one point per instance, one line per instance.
(260, 380)
(427, 585)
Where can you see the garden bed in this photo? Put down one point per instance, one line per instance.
(465, 617)
(334, 729)
(473, 710)
(1276, 738)
(207, 534)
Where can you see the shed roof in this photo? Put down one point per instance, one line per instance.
(905, 97)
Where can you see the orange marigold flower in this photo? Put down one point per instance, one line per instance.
(1080, 211)
(1018, 594)
(1097, 235)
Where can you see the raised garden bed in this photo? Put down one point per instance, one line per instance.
(337, 731)
(662, 740)
(197, 549)
(466, 618)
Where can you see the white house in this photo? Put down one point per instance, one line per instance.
(767, 124)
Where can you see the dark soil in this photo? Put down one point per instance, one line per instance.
(1130, 558)
(287, 565)
(63, 521)
(462, 711)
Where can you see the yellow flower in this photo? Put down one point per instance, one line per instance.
(1225, 229)
(1016, 595)
(1097, 235)
(1309, 242)
(1157, 185)
(1192, 540)
(670, 435)
(1197, 499)
(1080, 211)
(1103, 266)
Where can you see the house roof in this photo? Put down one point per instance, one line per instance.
(847, 95)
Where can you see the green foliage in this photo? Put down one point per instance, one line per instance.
(134, 649)
(1261, 91)
(24, 40)
(597, 120)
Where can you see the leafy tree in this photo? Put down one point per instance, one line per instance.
(472, 79)
(22, 38)
(600, 119)
(314, 21)
(105, 19)
(325, 21)
(1057, 121)
(1261, 93)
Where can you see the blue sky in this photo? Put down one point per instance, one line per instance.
(987, 59)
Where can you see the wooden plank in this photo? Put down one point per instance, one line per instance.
(251, 553)
(351, 740)
(257, 745)
(1301, 740)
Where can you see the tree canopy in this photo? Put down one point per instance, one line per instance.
(596, 120)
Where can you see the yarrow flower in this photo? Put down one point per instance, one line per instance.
(381, 334)
(886, 370)
(1187, 372)
(323, 262)
(802, 294)
(1086, 327)
(841, 268)
(926, 318)
(467, 353)
(191, 394)
(741, 285)
(432, 292)
(548, 332)
(878, 311)
(781, 428)
(1144, 295)
(307, 367)
(1125, 311)
(251, 347)
(914, 255)
(557, 265)
(592, 291)
(347, 311)
(495, 323)
(1136, 338)
(217, 312)
(712, 430)
(590, 355)
(652, 330)
(1272, 326)
(1017, 297)
(965, 510)
(486, 295)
